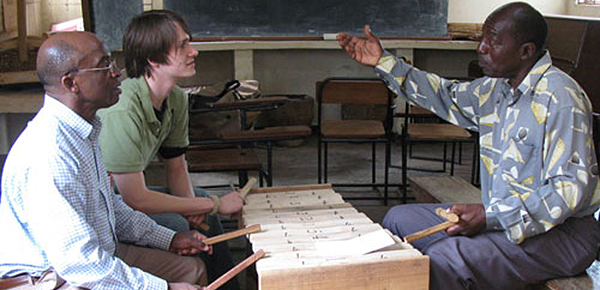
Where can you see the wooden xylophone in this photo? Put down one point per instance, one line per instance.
(296, 221)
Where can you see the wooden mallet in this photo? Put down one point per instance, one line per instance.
(231, 235)
(244, 191)
(234, 271)
(451, 219)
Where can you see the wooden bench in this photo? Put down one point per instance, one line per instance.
(443, 189)
(451, 189)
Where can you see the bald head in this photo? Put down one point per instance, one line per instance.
(61, 53)
(528, 25)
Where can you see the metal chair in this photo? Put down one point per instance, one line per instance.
(413, 133)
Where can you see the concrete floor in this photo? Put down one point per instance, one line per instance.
(347, 163)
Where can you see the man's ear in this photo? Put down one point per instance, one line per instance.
(69, 83)
(153, 64)
(527, 50)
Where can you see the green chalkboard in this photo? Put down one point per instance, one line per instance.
(295, 18)
(109, 18)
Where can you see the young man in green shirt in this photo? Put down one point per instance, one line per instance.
(152, 117)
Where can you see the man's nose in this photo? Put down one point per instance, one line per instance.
(482, 47)
(118, 74)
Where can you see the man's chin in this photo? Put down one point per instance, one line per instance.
(114, 99)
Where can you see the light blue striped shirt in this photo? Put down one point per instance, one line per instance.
(58, 209)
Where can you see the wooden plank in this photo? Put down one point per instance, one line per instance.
(358, 220)
(19, 77)
(22, 29)
(317, 212)
(580, 282)
(359, 92)
(33, 17)
(21, 101)
(305, 256)
(448, 132)
(292, 194)
(222, 159)
(9, 15)
(407, 273)
(443, 189)
(86, 14)
(270, 133)
(352, 129)
(4, 36)
(291, 188)
(470, 31)
(314, 235)
(32, 41)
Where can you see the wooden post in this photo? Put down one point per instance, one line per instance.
(86, 12)
(22, 29)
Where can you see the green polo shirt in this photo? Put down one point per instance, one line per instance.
(132, 134)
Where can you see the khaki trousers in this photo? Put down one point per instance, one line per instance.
(163, 264)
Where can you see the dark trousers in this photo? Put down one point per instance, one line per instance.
(488, 260)
(220, 261)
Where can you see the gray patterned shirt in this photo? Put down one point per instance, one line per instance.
(537, 154)
(58, 209)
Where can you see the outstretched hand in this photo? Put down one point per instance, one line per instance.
(366, 51)
(472, 219)
(189, 243)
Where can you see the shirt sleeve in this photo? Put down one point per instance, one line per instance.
(455, 102)
(136, 227)
(569, 179)
(70, 243)
(121, 141)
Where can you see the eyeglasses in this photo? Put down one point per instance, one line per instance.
(112, 67)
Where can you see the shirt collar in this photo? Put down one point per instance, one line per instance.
(65, 115)
(535, 74)
(147, 107)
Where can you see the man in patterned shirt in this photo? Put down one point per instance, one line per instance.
(58, 211)
(540, 174)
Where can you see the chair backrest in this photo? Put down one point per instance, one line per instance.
(352, 91)
(355, 91)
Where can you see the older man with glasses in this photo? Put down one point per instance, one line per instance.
(63, 226)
